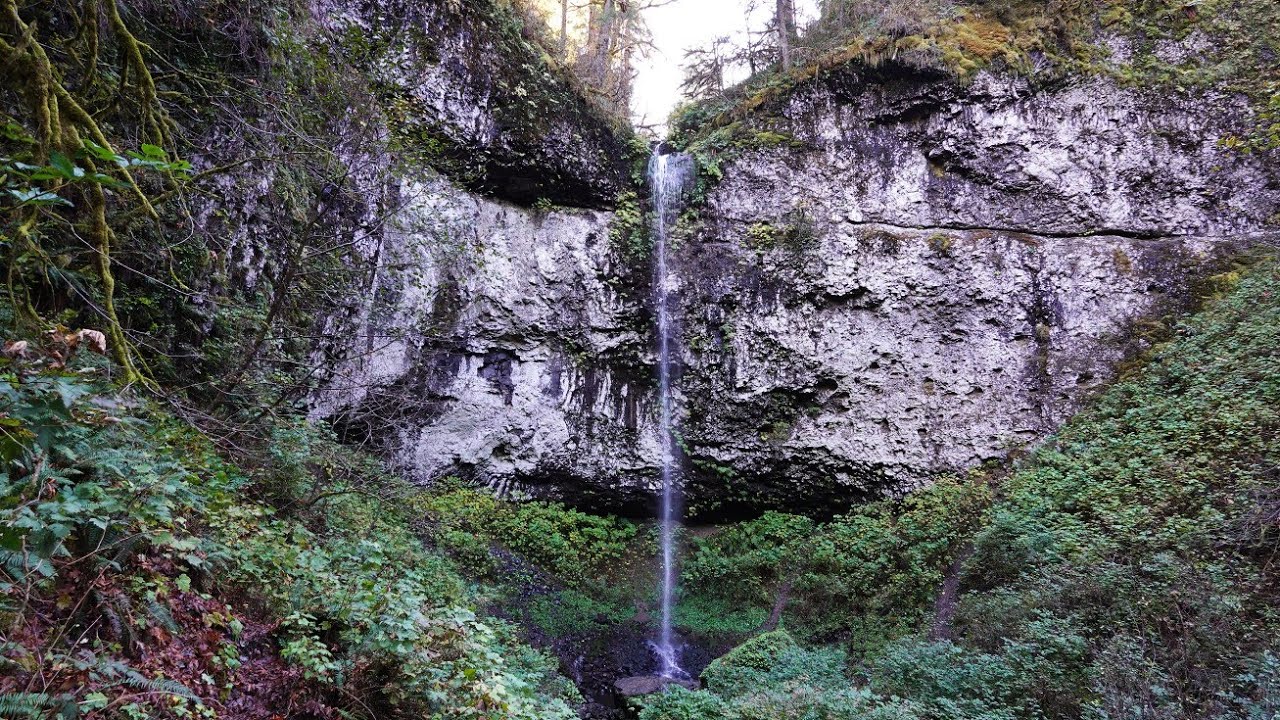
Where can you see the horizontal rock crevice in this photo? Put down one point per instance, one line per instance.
(1099, 233)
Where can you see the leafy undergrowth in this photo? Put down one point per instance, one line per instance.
(863, 578)
(558, 571)
(1126, 570)
(580, 585)
(143, 576)
(578, 548)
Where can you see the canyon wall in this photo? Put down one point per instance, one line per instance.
(495, 332)
(497, 343)
(912, 278)
(923, 277)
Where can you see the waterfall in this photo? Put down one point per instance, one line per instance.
(668, 176)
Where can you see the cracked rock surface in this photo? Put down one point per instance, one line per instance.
(497, 343)
(928, 278)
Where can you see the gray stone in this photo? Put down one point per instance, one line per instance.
(966, 266)
(491, 342)
(634, 687)
(932, 276)
(475, 95)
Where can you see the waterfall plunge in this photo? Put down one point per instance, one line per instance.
(668, 177)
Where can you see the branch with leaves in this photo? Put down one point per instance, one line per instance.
(69, 176)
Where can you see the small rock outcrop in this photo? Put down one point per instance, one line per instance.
(634, 687)
(471, 96)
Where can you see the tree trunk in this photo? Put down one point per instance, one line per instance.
(564, 30)
(599, 37)
(786, 30)
(609, 34)
(588, 51)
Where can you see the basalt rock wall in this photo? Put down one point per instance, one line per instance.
(923, 276)
(499, 344)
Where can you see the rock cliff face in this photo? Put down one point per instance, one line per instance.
(926, 278)
(929, 276)
(497, 342)
(467, 332)
(470, 95)
(491, 333)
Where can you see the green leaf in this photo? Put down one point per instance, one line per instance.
(107, 180)
(11, 539)
(17, 133)
(70, 391)
(101, 153)
(38, 197)
(94, 701)
(64, 166)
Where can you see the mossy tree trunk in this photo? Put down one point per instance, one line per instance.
(65, 115)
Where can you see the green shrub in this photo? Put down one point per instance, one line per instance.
(703, 615)
(1255, 692)
(748, 560)
(678, 703)
(773, 659)
(807, 703)
(569, 612)
(629, 232)
(869, 575)
(948, 680)
(92, 482)
(580, 549)
(1145, 508)
(771, 677)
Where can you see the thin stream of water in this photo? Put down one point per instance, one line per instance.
(668, 175)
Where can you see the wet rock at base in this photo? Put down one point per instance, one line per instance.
(634, 687)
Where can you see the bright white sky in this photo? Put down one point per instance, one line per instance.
(679, 26)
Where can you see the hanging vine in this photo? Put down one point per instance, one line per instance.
(71, 154)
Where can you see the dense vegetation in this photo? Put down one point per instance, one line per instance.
(144, 576)
(1124, 570)
(174, 540)
(183, 175)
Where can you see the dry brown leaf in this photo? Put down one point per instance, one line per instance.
(16, 348)
(96, 341)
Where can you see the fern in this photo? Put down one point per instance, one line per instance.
(160, 614)
(13, 565)
(26, 705)
(126, 546)
(142, 683)
(108, 613)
